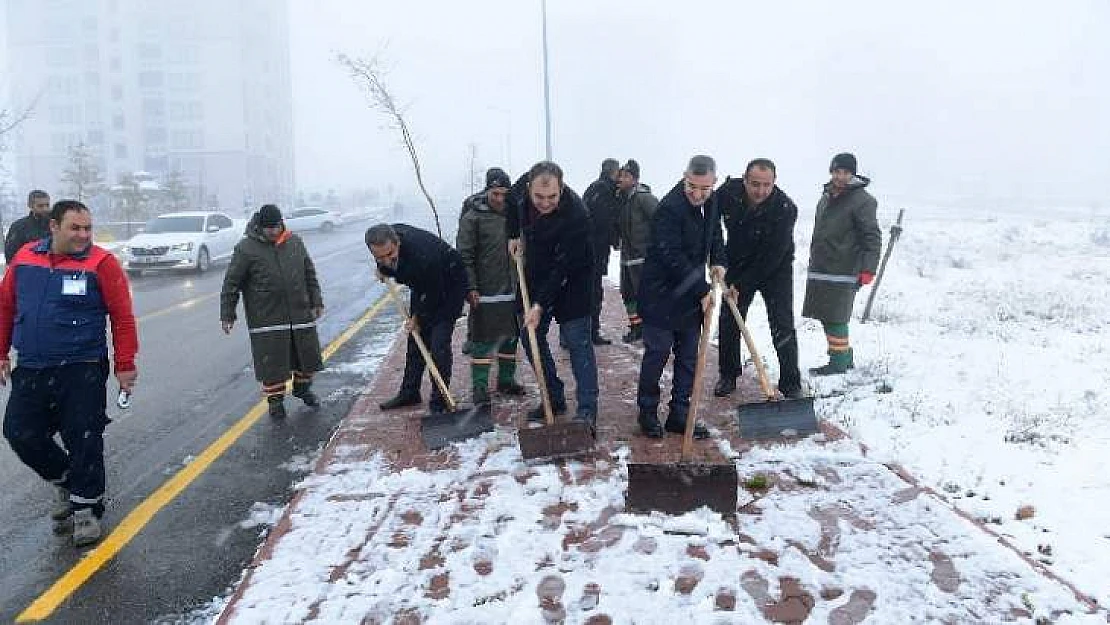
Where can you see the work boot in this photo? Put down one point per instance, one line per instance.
(588, 417)
(512, 387)
(305, 394)
(725, 387)
(400, 400)
(791, 392)
(86, 527)
(677, 425)
(649, 424)
(600, 340)
(557, 408)
(635, 333)
(277, 406)
(61, 508)
(832, 368)
(480, 396)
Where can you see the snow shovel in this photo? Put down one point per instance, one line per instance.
(441, 429)
(550, 440)
(773, 417)
(680, 488)
(895, 232)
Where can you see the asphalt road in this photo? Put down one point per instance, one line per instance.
(194, 383)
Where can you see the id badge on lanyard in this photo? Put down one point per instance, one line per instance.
(76, 284)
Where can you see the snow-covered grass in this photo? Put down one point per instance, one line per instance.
(985, 372)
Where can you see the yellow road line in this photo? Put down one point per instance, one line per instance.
(137, 519)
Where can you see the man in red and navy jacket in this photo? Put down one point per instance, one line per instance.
(54, 300)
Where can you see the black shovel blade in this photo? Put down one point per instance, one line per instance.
(785, 418)
(559, 440)
(682, 487)
(443, 428)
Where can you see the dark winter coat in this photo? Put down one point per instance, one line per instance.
(760, 238)
(30, 227)
(683, 240)
(603, 205)
(434, 273)
(483, 245)
(280, 292)
(559, 257)
(846, 241)
(633, 233)
(518, 197)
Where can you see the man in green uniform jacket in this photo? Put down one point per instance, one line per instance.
(282, 301)
(843, 256)
(491, 287)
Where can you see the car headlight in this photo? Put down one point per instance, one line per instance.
(182, 247)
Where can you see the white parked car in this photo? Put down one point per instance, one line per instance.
(312, 218)
(186, 240)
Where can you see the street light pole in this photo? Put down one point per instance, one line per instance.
(546, 83)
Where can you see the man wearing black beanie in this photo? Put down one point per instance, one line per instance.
(281, 298)
(492, 328)
(843, 256)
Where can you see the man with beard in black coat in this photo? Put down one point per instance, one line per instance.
(437, 281)
(32, 227)
(759, 219)
(559, 268)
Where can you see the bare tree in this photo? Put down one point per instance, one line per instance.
(368, 74)
(82, 177)
(9, 120)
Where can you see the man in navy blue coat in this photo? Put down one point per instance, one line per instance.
(674, 292)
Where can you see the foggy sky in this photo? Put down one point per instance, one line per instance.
(984, 100)
(990, 102)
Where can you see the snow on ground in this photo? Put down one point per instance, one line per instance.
(984, 372)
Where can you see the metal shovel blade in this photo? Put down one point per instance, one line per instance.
(681, 487)
(441, 429)
(558, 440)
(785, 418)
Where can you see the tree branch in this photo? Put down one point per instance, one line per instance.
(368, 74)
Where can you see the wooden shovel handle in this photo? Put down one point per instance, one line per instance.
(423, 348)
(759, 368)
(537, 363)
(699, 382)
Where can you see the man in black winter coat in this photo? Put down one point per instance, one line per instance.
(34, 226)
(759, 219)
(674, 293)
(602, 203)
(559, 269)
(437, 281)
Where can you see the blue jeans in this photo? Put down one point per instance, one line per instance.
(658, 345)
(578, 334)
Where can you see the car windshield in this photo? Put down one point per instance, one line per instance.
(174, 224)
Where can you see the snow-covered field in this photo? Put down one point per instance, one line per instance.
(984, 372)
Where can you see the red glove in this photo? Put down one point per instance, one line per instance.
(865, 277)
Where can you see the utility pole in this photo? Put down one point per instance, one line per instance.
(546, 82)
